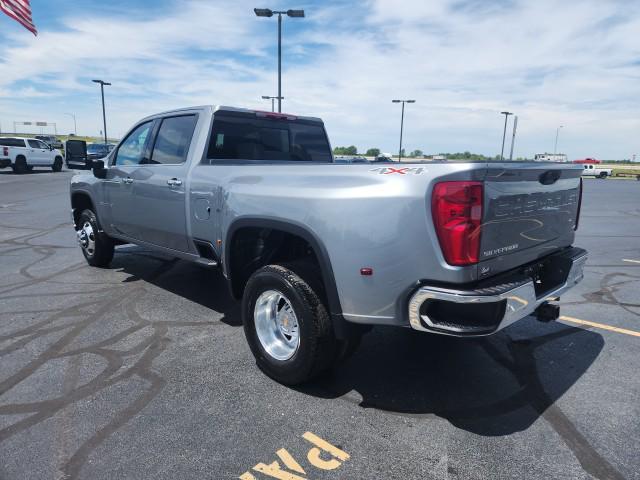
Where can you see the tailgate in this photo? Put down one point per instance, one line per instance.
(530, 211)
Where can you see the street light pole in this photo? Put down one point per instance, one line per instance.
(104, 115)
(267, 97)
(504, 133)
(75, 127)
(555, 145)
(401, 124)
(513, 137)
(266, 12)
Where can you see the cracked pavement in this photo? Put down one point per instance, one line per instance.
(142, 371)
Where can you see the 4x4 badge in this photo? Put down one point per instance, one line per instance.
(399, 171)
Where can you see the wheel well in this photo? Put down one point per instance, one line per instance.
(18, 157)
(254, 247)
(80, 202)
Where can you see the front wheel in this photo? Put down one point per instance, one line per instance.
(287, 325)
(57, 164)
(96, 246)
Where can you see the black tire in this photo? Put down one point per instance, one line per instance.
(603, 175)
(29, 168)
(317, 348)
(20, 165)
(103, 247)
(57, 164)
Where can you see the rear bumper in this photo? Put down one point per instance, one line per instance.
(496, 303)
(5, 162)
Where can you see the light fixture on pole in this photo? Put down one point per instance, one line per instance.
(266, 12)
(75, 127)
(555, 145)
(504, 133)
(401, 124)
(104, 115)
(267, 97)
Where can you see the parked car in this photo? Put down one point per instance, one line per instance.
(591, 170)
(50, 140)
(318, 253)
(23, 154)
(98, 150)
(383, 158)
(350, 159)
(587, 161)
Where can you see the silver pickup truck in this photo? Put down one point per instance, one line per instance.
(318, 251)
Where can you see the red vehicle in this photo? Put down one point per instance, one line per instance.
(588, 160)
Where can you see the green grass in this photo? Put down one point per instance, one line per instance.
(625, 171)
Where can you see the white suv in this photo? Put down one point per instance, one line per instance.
(22, 154)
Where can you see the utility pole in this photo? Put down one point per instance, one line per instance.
(104, 115)
(75, 127)
(401, 124)
(504, 133)
(513, 137)
(555, 145)
(267, 97)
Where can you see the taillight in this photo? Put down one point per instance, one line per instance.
(579, 205)
(5, 151)
(457, 216)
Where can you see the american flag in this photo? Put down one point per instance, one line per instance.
(20, 11)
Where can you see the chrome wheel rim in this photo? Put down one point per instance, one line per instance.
(276, 325)
(87, 238)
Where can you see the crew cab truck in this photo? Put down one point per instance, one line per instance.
(591, 170)
(317, 251)
(23, 154)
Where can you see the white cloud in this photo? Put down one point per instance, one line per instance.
(551, 62)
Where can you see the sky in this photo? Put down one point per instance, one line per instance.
(574, 63)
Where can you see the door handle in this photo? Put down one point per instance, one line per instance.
(174, 182)
(127, 180)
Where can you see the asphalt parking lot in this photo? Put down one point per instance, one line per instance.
(142, 371)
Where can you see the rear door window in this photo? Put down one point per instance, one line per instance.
(173, 140)
(34, 143)
(11, 142)
(250, 138)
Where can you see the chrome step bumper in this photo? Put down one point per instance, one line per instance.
(508, 301)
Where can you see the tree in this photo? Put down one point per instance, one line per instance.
(417, 153)
(373, 152)
(351, 150)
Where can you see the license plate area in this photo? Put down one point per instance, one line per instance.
(549, 274)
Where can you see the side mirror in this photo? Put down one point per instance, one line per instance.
(98, 169)
(51, 147)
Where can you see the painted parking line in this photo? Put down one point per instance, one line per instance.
(602, 326)
(317, 457)
(630, 261)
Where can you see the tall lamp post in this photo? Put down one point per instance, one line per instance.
(75, 127)
(266, 12)
(555, 145)
(104, 115)
(504, 133)
(513, 137)
(267, 97)
(401, 124)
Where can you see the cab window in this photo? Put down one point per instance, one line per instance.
(132, 149)
(173, 140)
